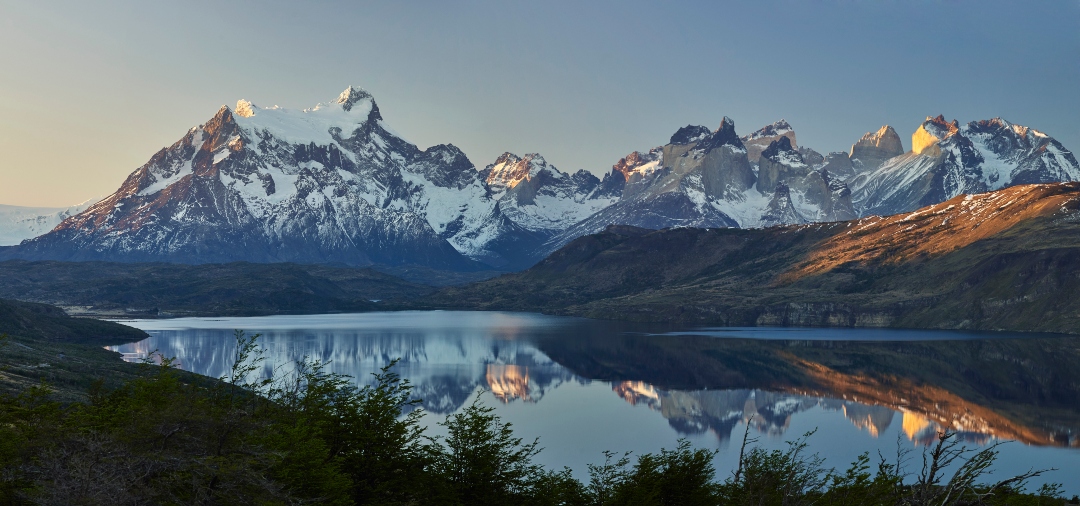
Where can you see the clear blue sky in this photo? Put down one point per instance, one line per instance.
(89, 90)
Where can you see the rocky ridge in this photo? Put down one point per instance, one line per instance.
(335, 184)
(948, 159)
(328, 184)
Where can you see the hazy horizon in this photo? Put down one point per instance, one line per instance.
(90, 92)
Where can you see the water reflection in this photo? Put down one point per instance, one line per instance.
(703, 388)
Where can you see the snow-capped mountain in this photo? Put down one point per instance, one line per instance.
(811, 193)
(538, 197)
(874, 148)
(947, 159)
(757, 142)
(18, 223)
(335, 184)
(328, 184)
(705, 178)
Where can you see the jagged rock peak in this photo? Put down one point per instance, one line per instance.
(882, 138)
(507, 157)
(931, 132)
(876, 147)
(782, 144)
(778, 128)
(756, 142)
(629, 162)
(723, 136)
(727, 125)
(690, 134)
(1000, 124)
(509, 170)
(351, 96)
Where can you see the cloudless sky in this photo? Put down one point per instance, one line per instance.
(90, 90)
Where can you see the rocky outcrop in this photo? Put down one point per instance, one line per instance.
(874, 148)
(821, 196)
(757, 142)
(948, 159)
(539, 197)
(780, 210)
(779, 162)
(326, 184)
(838, 163)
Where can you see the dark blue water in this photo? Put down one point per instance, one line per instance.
(585, 386)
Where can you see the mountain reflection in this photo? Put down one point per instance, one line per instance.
(721, 411)
(698, 385)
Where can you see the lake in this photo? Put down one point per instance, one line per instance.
(586, 386)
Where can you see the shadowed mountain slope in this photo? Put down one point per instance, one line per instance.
(1001, 260)
(49, 323)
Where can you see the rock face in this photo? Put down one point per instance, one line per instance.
(327, 184)
(707, 180)
(757, 142)
(874, 148)
(818, 196)
(334, 184)
(838, 163)
(948, 159)
(973, 262)
(536, 202)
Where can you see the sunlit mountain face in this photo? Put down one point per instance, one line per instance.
(573, 381)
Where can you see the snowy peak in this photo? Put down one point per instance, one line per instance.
(932, 132)
(757, 142)
(870, 151)
(326, 184)
(873, 149)
(348, 98)
(245, 109)
(689, 134)
(948, 159)
(782, 151)
(510, 170)
(723, 136)
(638, 163)
(18, 223)
(631, 169)
(774, 130)
(536, 197)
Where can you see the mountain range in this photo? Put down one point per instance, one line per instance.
(335, 184)
(1001, 260)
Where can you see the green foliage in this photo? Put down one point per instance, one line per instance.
(674, 477)
(309, 436)
(480, 461)
(777, 477)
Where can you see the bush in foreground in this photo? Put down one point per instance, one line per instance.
(313, 437)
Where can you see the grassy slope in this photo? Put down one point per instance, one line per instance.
(42, 343)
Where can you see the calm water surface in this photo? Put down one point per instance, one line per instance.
(586, 386)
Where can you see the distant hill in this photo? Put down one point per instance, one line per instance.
(113, 289)
(1000, 260)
